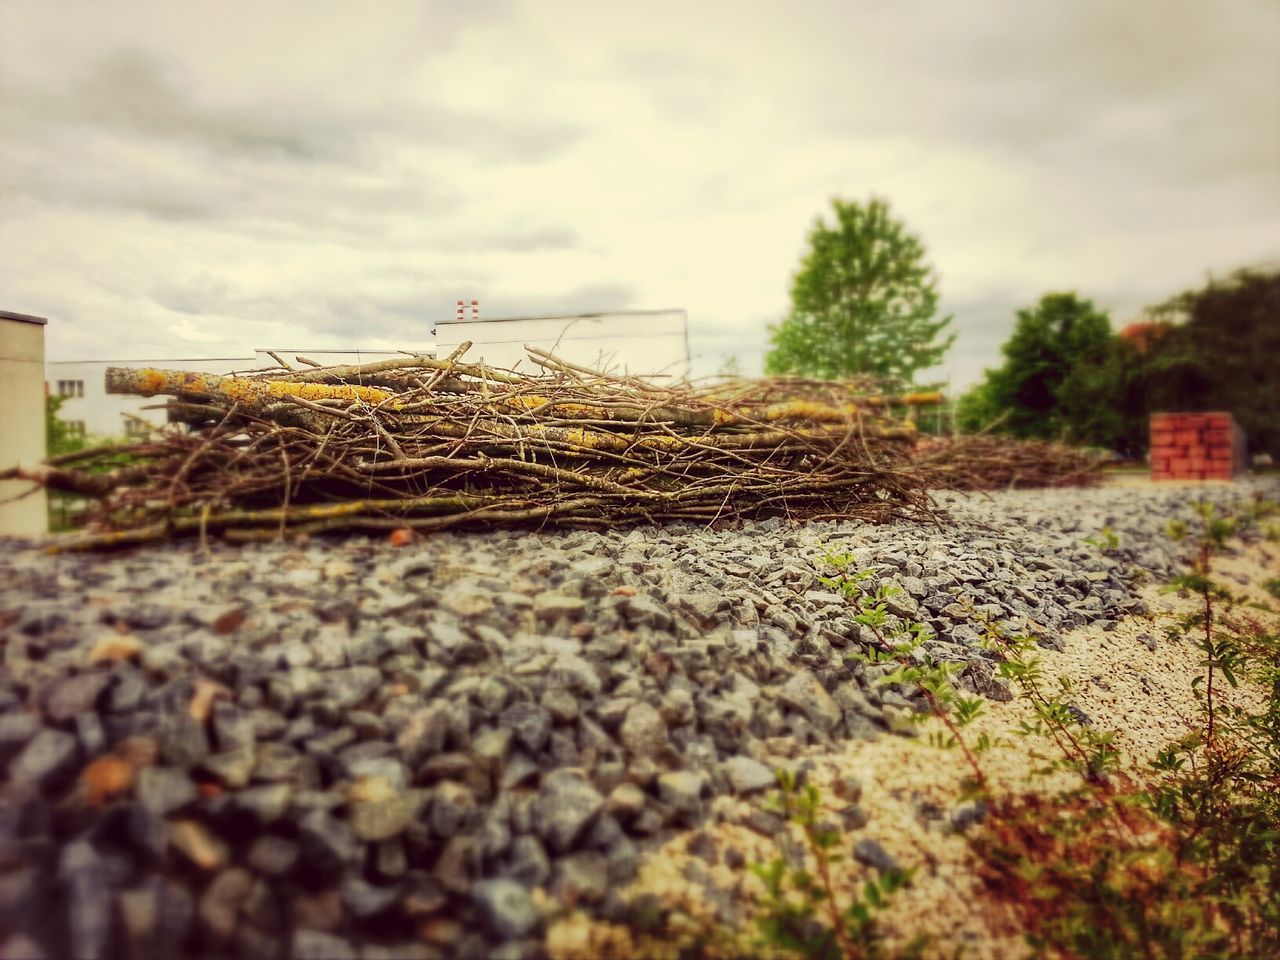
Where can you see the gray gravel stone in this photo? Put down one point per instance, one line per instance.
(318, 945)
(556, 606)
(530, 723)
(644, 732)
(273, 855)
(869, 853)
(805, 693)
(505, 909)
(565, 806)
(643, 610)
(326, 844)
(162, 790)
(84, 876)
(383, 819)
(48, 759)
(682, 791)
(75, 695)
(576, 675)
(747, 775)
(346, 688)
(529, 863)
(16, 729)
(581, 877)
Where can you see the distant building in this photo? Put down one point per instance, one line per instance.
(645, 343)
(22, 435)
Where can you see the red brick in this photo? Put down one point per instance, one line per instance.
(1161, 438)
(1186, 438)
(1218, 438)
(1220, 453)
(1219, 421)
(1195, 422)
(1163, 421)
(1180, 465)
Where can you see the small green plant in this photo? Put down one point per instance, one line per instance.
(1105, 541)
(1272, 586)
(802, 913)
(1081, 748)
(900, 641)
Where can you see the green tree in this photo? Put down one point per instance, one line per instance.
(1220, 354)
(58, 437)
(1058, 376)
(863, 301)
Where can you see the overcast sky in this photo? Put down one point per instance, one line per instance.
(183, 179)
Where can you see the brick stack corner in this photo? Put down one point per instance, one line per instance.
(1196, 446)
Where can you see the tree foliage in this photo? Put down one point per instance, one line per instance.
(863, 301)
(1066, 377)
(1058, 372)
(1221, 353)
(58, 436)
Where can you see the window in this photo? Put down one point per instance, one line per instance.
(71, 388)
(136, 428)
(75, 428)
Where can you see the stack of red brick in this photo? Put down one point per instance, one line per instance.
(1196, 446)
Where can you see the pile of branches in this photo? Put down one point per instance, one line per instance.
(433, 444)
(986, 462)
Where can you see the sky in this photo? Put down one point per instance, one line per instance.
(183, 179)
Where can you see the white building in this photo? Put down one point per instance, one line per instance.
(23, 512)
(645, 343)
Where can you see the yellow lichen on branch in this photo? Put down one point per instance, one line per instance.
(151, 382)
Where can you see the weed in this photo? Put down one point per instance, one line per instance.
(900, 640)
(1088, 752)
(1105, 541)
(801, 910)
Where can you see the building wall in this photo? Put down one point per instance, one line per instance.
(22, 433)
(648, 343)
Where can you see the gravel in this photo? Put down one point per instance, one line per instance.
(339, 748)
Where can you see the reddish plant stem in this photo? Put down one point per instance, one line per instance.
(1208, 633)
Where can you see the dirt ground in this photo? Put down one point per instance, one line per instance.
(909, 787)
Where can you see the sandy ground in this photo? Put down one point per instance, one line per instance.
(909, 786)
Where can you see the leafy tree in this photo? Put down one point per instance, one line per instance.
(58, 437)
(1220, 353)
(1058, 379)
(862, 302)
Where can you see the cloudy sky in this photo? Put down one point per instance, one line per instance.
(182, 179)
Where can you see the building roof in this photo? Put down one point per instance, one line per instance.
(25, 317)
